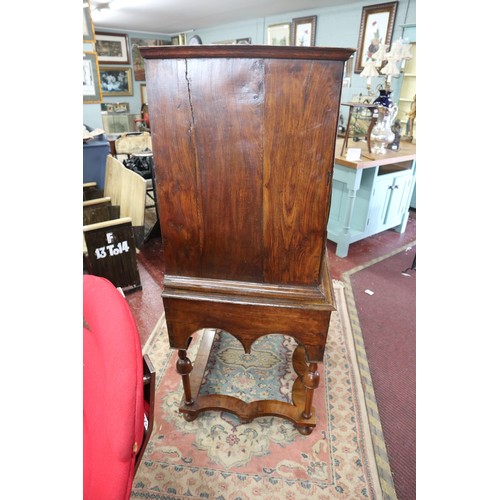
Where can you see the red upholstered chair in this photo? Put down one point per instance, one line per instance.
(118, 393)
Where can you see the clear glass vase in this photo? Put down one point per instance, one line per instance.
(382, 135)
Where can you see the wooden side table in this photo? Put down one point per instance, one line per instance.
(243, 177)
(352, 106)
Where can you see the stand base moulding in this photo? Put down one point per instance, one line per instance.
(248, 313)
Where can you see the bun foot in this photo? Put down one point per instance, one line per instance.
(188, 417)
(305, 430)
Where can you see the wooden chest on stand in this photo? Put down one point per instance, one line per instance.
(244, 139)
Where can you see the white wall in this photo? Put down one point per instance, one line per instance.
(336, 27)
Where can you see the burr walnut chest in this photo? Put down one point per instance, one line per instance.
(243, 142)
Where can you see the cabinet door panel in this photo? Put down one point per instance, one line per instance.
(389, 202)
(398, 203)
(297, 174)
(379, 203)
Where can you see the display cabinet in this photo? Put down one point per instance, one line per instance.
(408, 96)
(370, 195)
(244, 140)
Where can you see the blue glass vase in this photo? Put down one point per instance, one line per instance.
(384, 99)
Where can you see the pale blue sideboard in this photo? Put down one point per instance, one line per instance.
(370, 195)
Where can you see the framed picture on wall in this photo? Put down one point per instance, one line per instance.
(91, 81)
(195, 40)
(278, 34)
(235, 41)
(137, 59)
(112, 48)
(88, 25)
(144, 94)
(377, 24)
(116, 81)
(348, 70)
(304, 31)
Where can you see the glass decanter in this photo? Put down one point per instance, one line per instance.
(382, 135)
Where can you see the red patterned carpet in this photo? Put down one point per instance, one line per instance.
(394, 381)
(390, 346)
(217, 456)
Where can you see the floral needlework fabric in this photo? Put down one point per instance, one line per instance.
(217, 456)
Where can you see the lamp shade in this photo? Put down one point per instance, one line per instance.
(370, 69)
(380, 55)
(406, 51)
(399, 51)
(391, 68)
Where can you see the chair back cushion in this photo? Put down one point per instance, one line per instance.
(113, 392)
(133, 143)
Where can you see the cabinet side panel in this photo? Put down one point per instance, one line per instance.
(227, 110)
(301, 112)
(174, 154)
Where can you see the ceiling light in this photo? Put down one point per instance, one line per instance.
(98, 7)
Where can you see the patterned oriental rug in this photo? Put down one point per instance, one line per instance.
(216, 456)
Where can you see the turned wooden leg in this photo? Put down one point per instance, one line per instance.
(369, 133)
(184, 368)
(311, 382)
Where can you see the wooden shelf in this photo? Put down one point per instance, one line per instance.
(408, 89)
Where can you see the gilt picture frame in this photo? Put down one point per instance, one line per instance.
(235, 41)
(112, 48)
(88, 25)
(91, 79)
(377, 25)
(116, 81)
(138, 61)
(278, 34)
(144, 94)
(304, 31)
